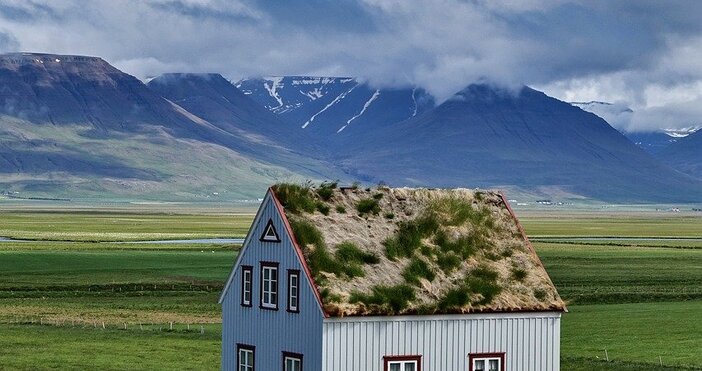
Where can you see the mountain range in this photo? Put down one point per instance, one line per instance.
(76, 127)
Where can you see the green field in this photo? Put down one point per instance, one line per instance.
(638, 303)
(110, 225)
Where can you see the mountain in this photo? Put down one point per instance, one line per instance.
(332, 107)
(685, 155)
(490, 137)
(74, 126)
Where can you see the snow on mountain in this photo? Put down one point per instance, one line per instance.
(329, 107)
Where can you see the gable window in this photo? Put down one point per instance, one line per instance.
(403, 363)
(269, 285)
(293, 291)
(246, 285)
(292, 361)
(269, 233)
(487, 362)
(245, 357)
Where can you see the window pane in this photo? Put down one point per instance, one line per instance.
(395, 366)
(494, 365)
(410, 366)
(479, 365)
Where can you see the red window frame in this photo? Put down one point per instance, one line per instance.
(388, 359)
(473, 356)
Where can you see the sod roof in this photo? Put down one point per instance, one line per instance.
(393, 251)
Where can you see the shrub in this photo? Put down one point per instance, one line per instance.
(448, 262)
(295, 198)
(416, 269)
(326, 190)
(408, 237)
(340, 209)
(320, 260)
(389, 216)
(540, 294)
(392, 298)
(519, 274)
(349, 252)
(455, 298)
(367, 206)
(322, 208)
(483, 281)
(377, 196)
(355, 185)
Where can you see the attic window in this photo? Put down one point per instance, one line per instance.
(269, 233)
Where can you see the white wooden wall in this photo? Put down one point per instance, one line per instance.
(531, 341)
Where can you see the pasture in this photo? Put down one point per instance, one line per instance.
(638, 303)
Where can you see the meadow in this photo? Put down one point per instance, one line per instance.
(87, 302)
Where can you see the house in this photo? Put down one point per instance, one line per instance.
(349, 279)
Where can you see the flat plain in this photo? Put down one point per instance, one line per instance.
(74, 298)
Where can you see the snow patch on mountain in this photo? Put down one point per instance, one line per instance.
(363, 110)
(275, 83)
(336, 100)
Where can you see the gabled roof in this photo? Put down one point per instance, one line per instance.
(386, 251)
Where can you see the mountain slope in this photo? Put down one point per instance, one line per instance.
(76, 125)
(685, 155)
(331, 107)
(488, 137)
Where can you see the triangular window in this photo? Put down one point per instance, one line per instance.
(269, 233)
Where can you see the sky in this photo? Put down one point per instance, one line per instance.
(642, 54)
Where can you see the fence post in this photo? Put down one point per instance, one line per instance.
(660, 360)
(606, 355)
(171, 326)
(202, 330)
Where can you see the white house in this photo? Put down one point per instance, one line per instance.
(388, 279)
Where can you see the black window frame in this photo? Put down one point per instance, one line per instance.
(297, 356)
(276, 265)
(296, 274)
(241, 346)
(246, 269)
(275, 232)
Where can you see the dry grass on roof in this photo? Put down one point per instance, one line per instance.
(386, 251)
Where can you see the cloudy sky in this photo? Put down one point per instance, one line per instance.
(643, 54)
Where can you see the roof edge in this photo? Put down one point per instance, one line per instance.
(529, 245)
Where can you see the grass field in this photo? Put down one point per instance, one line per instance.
(106, 225)
(639, 303)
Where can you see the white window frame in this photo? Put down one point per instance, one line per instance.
(294, 358)
(270, 278)
(246, 285)
(403, 361)
(245, 358)
(474, 359)
(293, 291)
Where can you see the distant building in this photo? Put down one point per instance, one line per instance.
(348, 279)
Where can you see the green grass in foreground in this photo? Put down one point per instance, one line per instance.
(105, 225)
(634, 225)
(587, 274)
(64, 348)
(635, 333)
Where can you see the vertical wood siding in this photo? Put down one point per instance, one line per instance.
(271, 332)
(531, 341)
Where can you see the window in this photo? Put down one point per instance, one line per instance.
(269, 233)
(245, 357)
(293, 291)
(269, 285)
(487, 362)
(403, 363)
(246, 283)
(292, 361)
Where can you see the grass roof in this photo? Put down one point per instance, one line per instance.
(389, 251)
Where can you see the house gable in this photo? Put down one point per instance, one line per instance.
(269, 240)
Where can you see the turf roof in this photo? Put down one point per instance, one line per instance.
(391, 251)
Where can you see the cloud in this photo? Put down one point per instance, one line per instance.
(645, 54)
